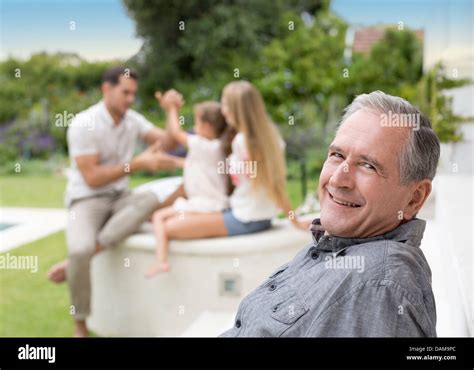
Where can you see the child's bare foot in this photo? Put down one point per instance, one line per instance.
(156, 268)
(57, 273)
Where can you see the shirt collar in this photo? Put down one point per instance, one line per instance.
(108, 117)
(411, 232)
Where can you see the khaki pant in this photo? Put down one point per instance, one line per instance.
(107, 220)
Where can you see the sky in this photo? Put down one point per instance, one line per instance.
(103, 29)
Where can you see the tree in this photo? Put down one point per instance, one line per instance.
(393, 63)
(304, 65)
(438, 106)
(300, 79)
(185, 40)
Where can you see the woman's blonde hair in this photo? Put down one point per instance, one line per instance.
(264, 143)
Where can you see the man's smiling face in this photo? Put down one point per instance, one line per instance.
(359, 186)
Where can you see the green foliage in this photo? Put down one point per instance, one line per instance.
(300, 75)
(303, 65)
(34, 92)
(186, 40)
(438, 106)
(394, 66)
(12, 98)
(393, 63)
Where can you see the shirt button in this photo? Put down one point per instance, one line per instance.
(238, 324)
(314, 255)
(272, 287)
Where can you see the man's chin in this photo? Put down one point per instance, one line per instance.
(336, 226)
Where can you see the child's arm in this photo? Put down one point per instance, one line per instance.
(285, 206)
(172, 124)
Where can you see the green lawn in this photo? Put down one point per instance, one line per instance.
(31, 306)
(39, 191)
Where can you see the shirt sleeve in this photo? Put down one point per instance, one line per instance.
(193, 142)
(81, 138)
(370, 311)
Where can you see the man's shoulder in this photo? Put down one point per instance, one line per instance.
(93, 110)
(402, 257)
(86, 120)
(137, 123)
(390, 251)
(398, 264)
(133, 115)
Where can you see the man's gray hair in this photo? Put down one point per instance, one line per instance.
(420, 154)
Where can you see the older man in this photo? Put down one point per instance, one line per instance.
(364, 274)
(102, 211)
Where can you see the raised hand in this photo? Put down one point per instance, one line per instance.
(171, 99)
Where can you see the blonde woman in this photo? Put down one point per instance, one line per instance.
(256, 166)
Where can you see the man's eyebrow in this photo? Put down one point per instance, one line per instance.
(335, 148)
(374, 162)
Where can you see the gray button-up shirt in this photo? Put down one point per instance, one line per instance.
(342, 287)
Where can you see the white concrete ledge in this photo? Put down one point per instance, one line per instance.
(207, 275)
(210, 324)
(273, 239)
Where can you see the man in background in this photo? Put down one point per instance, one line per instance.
(101, 209)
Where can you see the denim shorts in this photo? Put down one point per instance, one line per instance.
(236, 227)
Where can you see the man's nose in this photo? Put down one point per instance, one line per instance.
(342, 176)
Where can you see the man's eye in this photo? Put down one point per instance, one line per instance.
(335, 155)
(369, 166)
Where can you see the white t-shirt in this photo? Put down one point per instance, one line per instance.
(205, 186)
(93, 131)
(247, 204)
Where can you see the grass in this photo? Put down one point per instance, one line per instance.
(40, 191)
(31, 306)
(32, 191)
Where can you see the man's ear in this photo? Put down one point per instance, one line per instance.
(420, 193)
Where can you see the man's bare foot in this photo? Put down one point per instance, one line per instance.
(156, 268)
(57, 273)
(81, 330)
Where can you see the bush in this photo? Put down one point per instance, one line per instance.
(34, 92)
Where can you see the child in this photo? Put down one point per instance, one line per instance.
(205, 187)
